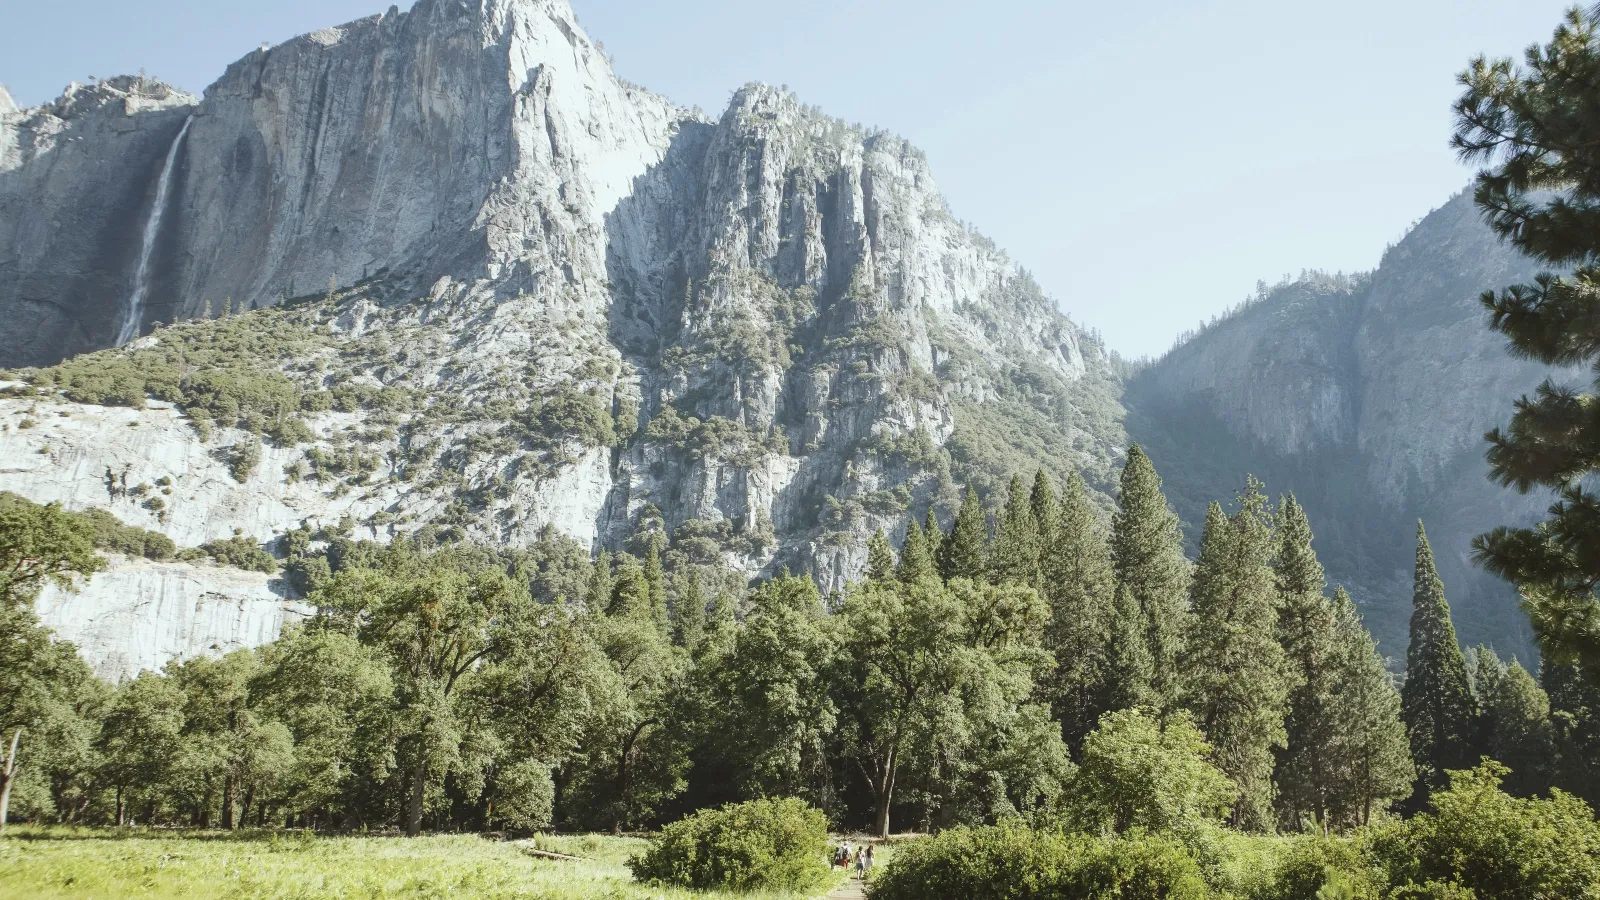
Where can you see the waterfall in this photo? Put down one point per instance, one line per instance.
(133, 309)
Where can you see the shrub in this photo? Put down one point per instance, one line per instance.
(1137, 773)
(1006, 862)
(241, 553)
(761, 844)
(111, 534)
(243, 458)
(1495, 845)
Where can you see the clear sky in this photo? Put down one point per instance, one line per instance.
(1148, 162)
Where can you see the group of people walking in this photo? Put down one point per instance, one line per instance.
(861, 858)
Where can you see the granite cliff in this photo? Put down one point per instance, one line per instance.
(1368, 397)
(502, 290)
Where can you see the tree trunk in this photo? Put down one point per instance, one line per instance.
(419, 784)
(120, 820)
(244, 809)
(227, 801)
(885, 798)
(8, 777)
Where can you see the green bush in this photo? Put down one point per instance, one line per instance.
(241, 553)
(1494, 845)
(1005, 862)
(762, 844)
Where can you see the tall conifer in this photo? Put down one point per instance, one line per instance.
(1232, 661)
(1371, 756)
(916, 556)
(1306, 629)
(630, 593)
(1046, 514)
(1081, 590)
(1437, 697)
(1014, 554)
(1129, 673)
(598, 596)
(964, 553)
(690, 611)
(1147, 552)
(656, 584)
(880, 557)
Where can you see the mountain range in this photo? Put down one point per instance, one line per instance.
(442, 269)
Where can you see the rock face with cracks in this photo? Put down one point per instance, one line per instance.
(789, 339)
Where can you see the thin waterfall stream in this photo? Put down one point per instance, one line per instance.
(133, 309)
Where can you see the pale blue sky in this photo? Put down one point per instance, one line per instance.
(1148, 162)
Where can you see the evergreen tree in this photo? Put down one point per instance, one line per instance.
(1232, 662)
(916, 556)
(1519, 730)
(1311, 649)
(656, 584)
(1129, 673)
(1147, 553)
(880, 556)
(1575, 727)
(1370, 758)
(1437, 697)
(1081, 590)
(597, 599)
(1534, 129)
(934, 535)
(690, 625)
(1046, 513)
(1014, 555)
(964, 553)
(630, 592)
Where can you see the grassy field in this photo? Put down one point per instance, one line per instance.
(108, 864)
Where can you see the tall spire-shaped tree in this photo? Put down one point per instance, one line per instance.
(1015, 552)
(598, 596)
(1147, 552)
(690, 610)
(656, 583)
(1081, 589)
(1046, 514)
(965, 549)
(916, 556)
(1371, 758)
(880, 557)
(1232, 661)
(1306, 629)
(1437, 696)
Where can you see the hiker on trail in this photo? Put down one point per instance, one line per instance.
(861, 863)
(869, 863)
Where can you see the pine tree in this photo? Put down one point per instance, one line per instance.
(934, 535)
(1534, 129)
(964, 553)
(690, 625)
(1081, 590)
(1147, 552)
(1014, 555)
(1370, 759)
(916, 557)
(1436, 698)
(656, 584)
(1519, 731)
(880, 557)
(1233, 664)
(1575, 718)
(1046, 512)
(1130, 670)
(598, 597)
(630, 592)
(1311, 650)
